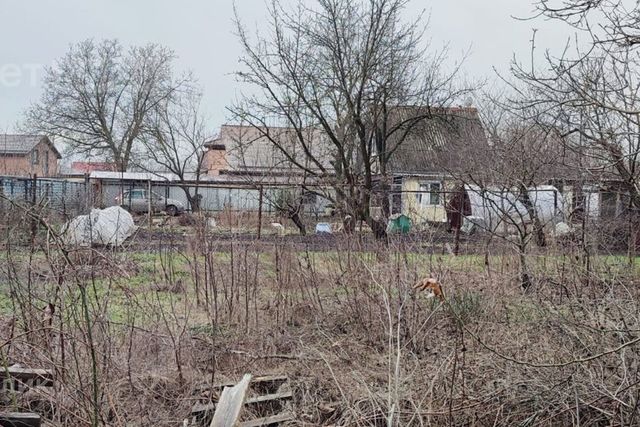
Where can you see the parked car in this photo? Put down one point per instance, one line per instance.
(138, 201)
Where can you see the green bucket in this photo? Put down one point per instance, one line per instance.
(400, 224)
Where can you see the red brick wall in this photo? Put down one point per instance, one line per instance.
(215, 160)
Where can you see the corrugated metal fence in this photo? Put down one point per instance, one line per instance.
(212, 197)
(64, 197)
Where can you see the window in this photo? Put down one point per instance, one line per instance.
(136, 195)
(429, 194)
(34, 157)
(396, 195)
(434, 193)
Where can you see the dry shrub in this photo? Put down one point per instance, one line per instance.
(359, 345)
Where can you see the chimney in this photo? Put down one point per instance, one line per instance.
(215, 158)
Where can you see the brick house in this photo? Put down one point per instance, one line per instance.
(247, 150)
(26, 155)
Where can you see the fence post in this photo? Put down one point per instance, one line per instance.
(63, 199)
(34, 223)
(260, 212)
(149, 207)
(87, 193)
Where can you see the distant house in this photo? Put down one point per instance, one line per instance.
(422, 166)
(251, 152)
(427, 167)
(26, 155)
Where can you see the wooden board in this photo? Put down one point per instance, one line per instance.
(254, 381)
(270, 397)
(265, 421)
(264, 392)
(199, 408)
(230, 404)
(18, 419)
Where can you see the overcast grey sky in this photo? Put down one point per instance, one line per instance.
(34, 33)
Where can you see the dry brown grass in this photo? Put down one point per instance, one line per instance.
(360, 345)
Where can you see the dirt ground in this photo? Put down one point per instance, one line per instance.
(433, 242)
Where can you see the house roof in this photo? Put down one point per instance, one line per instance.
(250, 148)
(428, 148)
(441, 142)
(134, 176)
(23, 144)
(88, 167)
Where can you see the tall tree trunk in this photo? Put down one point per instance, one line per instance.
(193, 200)
(538, 228)
(384, 198)
(294, 215)
(378, 226)
(525, 278)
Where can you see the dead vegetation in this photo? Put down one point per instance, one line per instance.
(135, 336)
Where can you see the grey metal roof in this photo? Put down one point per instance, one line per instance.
(22, 144)
(248, 148)
(440, 143)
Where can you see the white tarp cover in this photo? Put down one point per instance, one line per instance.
(110, 226)
(490, 207)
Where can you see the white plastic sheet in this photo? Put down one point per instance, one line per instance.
(110, 226)
(323, 228)
(490, 208)
(493, 207)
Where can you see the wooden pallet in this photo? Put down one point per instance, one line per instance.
(18, 380)
(266, 401)
(269, 420)
(21, 379)
(19, 419)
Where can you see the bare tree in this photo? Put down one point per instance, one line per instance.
(290, 203)
(173, 136)
(335, 73)
(506, 181)
(590, 92)
(98, 96)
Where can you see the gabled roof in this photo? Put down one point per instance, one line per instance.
(439, 143)
(250, 148)
(21, 145)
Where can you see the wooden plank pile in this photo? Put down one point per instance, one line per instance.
(266, 402)
(15, 379)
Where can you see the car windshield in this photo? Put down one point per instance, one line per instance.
(135, 194)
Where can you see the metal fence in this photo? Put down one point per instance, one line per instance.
(59, 196)
(212, 197)
(424, 205)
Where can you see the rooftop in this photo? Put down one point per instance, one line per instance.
(13, 144)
